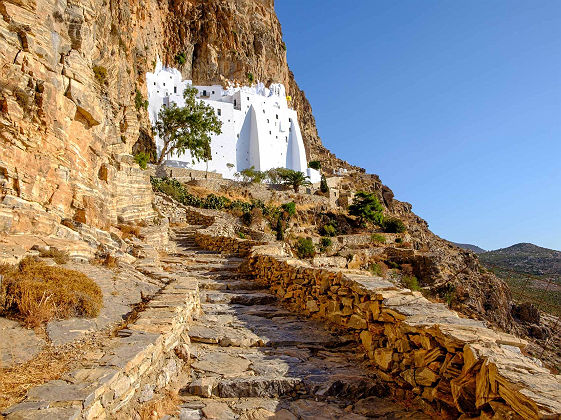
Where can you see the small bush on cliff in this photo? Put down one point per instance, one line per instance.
(314, 164)
(180, 58)
(250, 77)
(393, 225)
(60, 257)
(325, 243)
(305, 248)
(100, 74)
(187, 129)
(367, 208)
(378, 238)
(411, 283)
(289, 208)
(142, 159)
(329, 230)
(35, 293)
(139, 101)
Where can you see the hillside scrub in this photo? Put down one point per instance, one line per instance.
(305, 248)
(36, 293)
(367, 208)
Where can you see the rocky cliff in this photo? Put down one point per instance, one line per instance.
(72, 86)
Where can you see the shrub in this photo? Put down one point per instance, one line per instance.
(247, 218)
(129, 231)
(411, 283)
(325, 243)
(100, 74)
(215, 202)
(305, 248)
(142, 159)
(180, 58)
(367, 208)
(280, 229)
(328, 230)
(250, 77)
(314, 164)
(394, 225)
(241, 235)
(289, 208)
(283, 46)
(60, 257)
(253, 176)
(36, 293)
(378, 238)
(378, 269)
(139, 101)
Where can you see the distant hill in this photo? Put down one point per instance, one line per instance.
(525, 258)
(470, 247)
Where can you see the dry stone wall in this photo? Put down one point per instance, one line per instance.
(423, 348)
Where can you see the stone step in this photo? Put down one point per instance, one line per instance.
(225, 284)
(246, 299)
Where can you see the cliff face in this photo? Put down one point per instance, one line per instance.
(70, 73)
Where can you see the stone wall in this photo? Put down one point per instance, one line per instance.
(423, 348)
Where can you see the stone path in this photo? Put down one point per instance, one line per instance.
(253, 359)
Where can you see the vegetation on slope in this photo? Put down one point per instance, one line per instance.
(35, 293)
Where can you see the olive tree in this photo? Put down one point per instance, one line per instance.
(187, 128)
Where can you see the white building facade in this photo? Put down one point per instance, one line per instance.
(258, 127)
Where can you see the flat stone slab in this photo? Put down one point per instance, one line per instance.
(17, 344)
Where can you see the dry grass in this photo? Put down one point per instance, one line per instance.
(108, 261)
(35, 293)
(60, 257)
(159, 407)
(129, 231)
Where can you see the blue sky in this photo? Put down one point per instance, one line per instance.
(455, 104)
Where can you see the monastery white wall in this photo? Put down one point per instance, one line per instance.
(258, 127)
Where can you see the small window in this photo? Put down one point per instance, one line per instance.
(270, 132)
(219, 112)
(164, 83)
(204, 92)
(213, 92)
(154, 83)
(290, 120)
(263, 111)
(175, 89)
(248, 98)
(238, 136)
(235, 103)
(277, 116)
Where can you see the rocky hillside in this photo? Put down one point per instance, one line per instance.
(470, 247)
(525, 258)
(72, 91)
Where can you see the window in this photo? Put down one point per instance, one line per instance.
(277, 116)
(248, 98)
(175, 89)
(270, 132)
(263, 111)
(219, 112)
(235, 102)
(164, 83)
(204, 92)
(213, 92)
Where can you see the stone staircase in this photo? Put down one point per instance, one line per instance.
(253, 359)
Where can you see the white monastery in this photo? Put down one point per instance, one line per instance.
(258, 127)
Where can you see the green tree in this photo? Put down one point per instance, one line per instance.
(367, 208)
(187, 128)
(323, 187)
(295, 179)
(314, 164)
